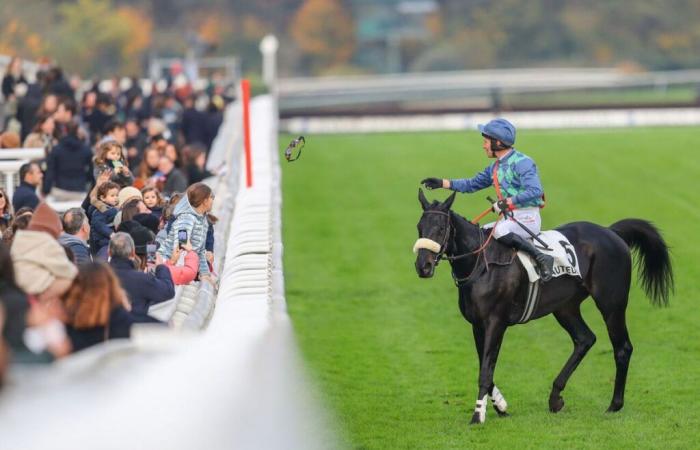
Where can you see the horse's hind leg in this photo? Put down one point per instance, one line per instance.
(622, 348)
(570, 318)
(611, 299)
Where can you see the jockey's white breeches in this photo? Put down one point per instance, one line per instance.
(530, 217)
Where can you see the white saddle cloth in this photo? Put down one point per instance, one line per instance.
(564, 254)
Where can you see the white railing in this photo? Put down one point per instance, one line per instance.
(11, 159)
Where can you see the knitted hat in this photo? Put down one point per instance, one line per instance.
(127, 194)
(45, 219)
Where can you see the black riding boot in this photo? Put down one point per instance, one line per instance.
(544, 262)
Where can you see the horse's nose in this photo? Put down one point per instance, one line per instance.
(426, 268)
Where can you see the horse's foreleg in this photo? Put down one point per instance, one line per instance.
(492, 338)
(497, 399)
(570, 318)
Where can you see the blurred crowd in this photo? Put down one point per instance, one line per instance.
(134, 160)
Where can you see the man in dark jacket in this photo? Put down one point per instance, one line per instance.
(76, 230)
(69, 168)
(25, 195)
(143, 289)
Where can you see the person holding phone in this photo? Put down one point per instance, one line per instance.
(190, 218)
(183, 263)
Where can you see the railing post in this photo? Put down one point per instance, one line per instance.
(245, 91)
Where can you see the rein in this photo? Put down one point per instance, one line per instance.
(442, 253)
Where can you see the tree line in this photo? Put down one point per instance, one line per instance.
(99, 37)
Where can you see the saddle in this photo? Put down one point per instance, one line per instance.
(558, 246)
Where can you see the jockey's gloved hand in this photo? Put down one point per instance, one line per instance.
(502, 206)
(432, 183)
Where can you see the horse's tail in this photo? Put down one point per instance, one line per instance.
(654, 266)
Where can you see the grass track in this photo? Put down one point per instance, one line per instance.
(393, 358)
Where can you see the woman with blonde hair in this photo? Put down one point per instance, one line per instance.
(96, 306)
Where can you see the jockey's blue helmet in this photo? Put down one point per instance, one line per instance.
(499, 129)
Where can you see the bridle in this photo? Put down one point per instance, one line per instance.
(442, 253)
(448, 232)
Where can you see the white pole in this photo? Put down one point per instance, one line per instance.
(268, 48)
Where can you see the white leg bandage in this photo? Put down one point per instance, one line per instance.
(427, 244)
(498, 400)
(481, 408)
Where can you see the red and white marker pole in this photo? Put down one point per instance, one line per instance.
(245, 91)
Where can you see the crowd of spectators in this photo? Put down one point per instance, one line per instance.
(134, 161)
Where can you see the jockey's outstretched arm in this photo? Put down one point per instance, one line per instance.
(480, 181)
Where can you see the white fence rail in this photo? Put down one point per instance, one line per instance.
(621, 118)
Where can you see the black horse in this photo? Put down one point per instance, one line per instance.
(492, 296)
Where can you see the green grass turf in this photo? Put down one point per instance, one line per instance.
(391, 354)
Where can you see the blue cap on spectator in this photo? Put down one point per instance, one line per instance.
(499, 129)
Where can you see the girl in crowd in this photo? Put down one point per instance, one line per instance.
(110, 156)
(148, 167)
(96, 306)
(6, 212)
(191, 224)
(153, 200)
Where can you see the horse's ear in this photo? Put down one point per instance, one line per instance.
(450, 200)
(423, 201)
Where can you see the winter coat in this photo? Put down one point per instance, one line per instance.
(143, 289)
(186, 273)
(69, 166)
(101, 227)
(80, 249)
(120, 178)
(196, 225)
(120, 322)
(175, 181)
(25, 195)
(39, 259)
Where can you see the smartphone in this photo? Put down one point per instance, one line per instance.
(182, 237)
(117, 164)
(151, 253)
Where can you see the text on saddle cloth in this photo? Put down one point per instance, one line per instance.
(564, 254)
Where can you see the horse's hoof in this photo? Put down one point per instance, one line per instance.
(476, 420)
(556, 403)
(614, 407)
(501, 413)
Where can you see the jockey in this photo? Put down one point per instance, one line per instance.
(517, 183)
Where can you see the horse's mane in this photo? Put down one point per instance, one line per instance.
(461, 220)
